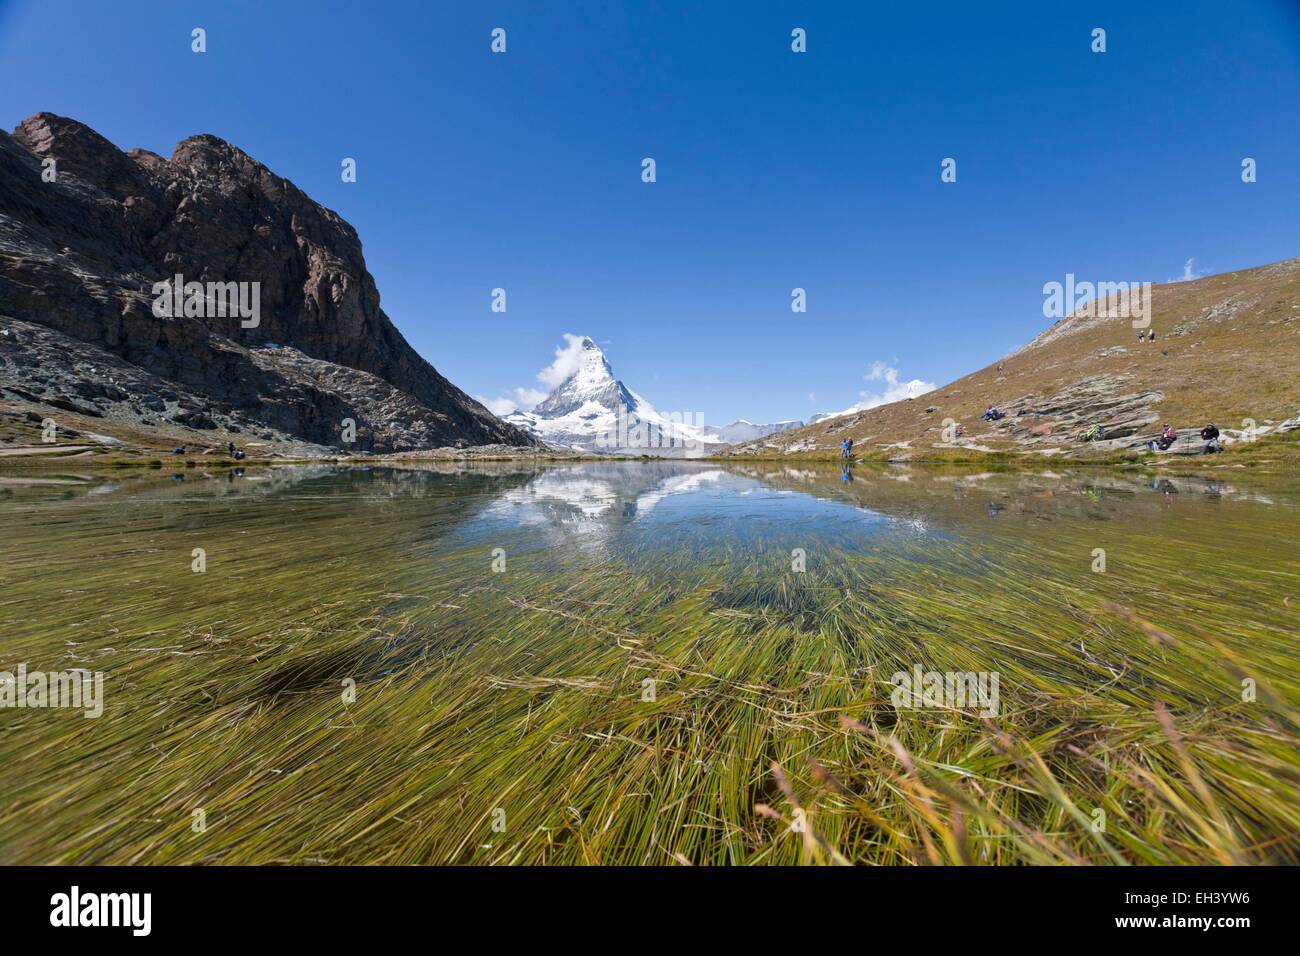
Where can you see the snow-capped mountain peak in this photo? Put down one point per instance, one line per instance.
(592, 381)
(591, 410)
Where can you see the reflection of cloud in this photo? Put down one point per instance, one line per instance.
(587, 496)
(595, 497)
(682, 484)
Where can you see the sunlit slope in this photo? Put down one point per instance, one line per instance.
(1227, 350)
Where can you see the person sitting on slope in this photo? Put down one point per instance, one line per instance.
(1210, 435)
(1167, 437)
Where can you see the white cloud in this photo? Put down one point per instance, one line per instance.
(895, 390)
(1189, 272)
(523, 398)
(528, 397)
(497, 406)
(567, 358)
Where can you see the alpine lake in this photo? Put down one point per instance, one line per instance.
(630, 662)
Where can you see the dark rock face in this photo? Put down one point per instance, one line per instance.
(80, 256)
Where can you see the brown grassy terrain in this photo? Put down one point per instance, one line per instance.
(1227, 350)
(113, 443)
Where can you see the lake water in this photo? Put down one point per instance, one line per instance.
(603, 662)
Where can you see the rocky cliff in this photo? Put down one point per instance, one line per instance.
(86, 231)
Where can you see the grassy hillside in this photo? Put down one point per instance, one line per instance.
(1227, 350)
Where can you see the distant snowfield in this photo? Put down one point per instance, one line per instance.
(745, 430)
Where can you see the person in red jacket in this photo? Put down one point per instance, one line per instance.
(1167, 437)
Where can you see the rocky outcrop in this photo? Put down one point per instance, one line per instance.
(1126, 415)
(1220, 349)
(84, 239)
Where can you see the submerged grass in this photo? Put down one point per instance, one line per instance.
(618, 696)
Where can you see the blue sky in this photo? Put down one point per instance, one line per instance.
(775, 169)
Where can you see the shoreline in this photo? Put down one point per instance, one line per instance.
(22, 448)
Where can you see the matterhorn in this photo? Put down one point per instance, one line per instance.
(592, 411)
